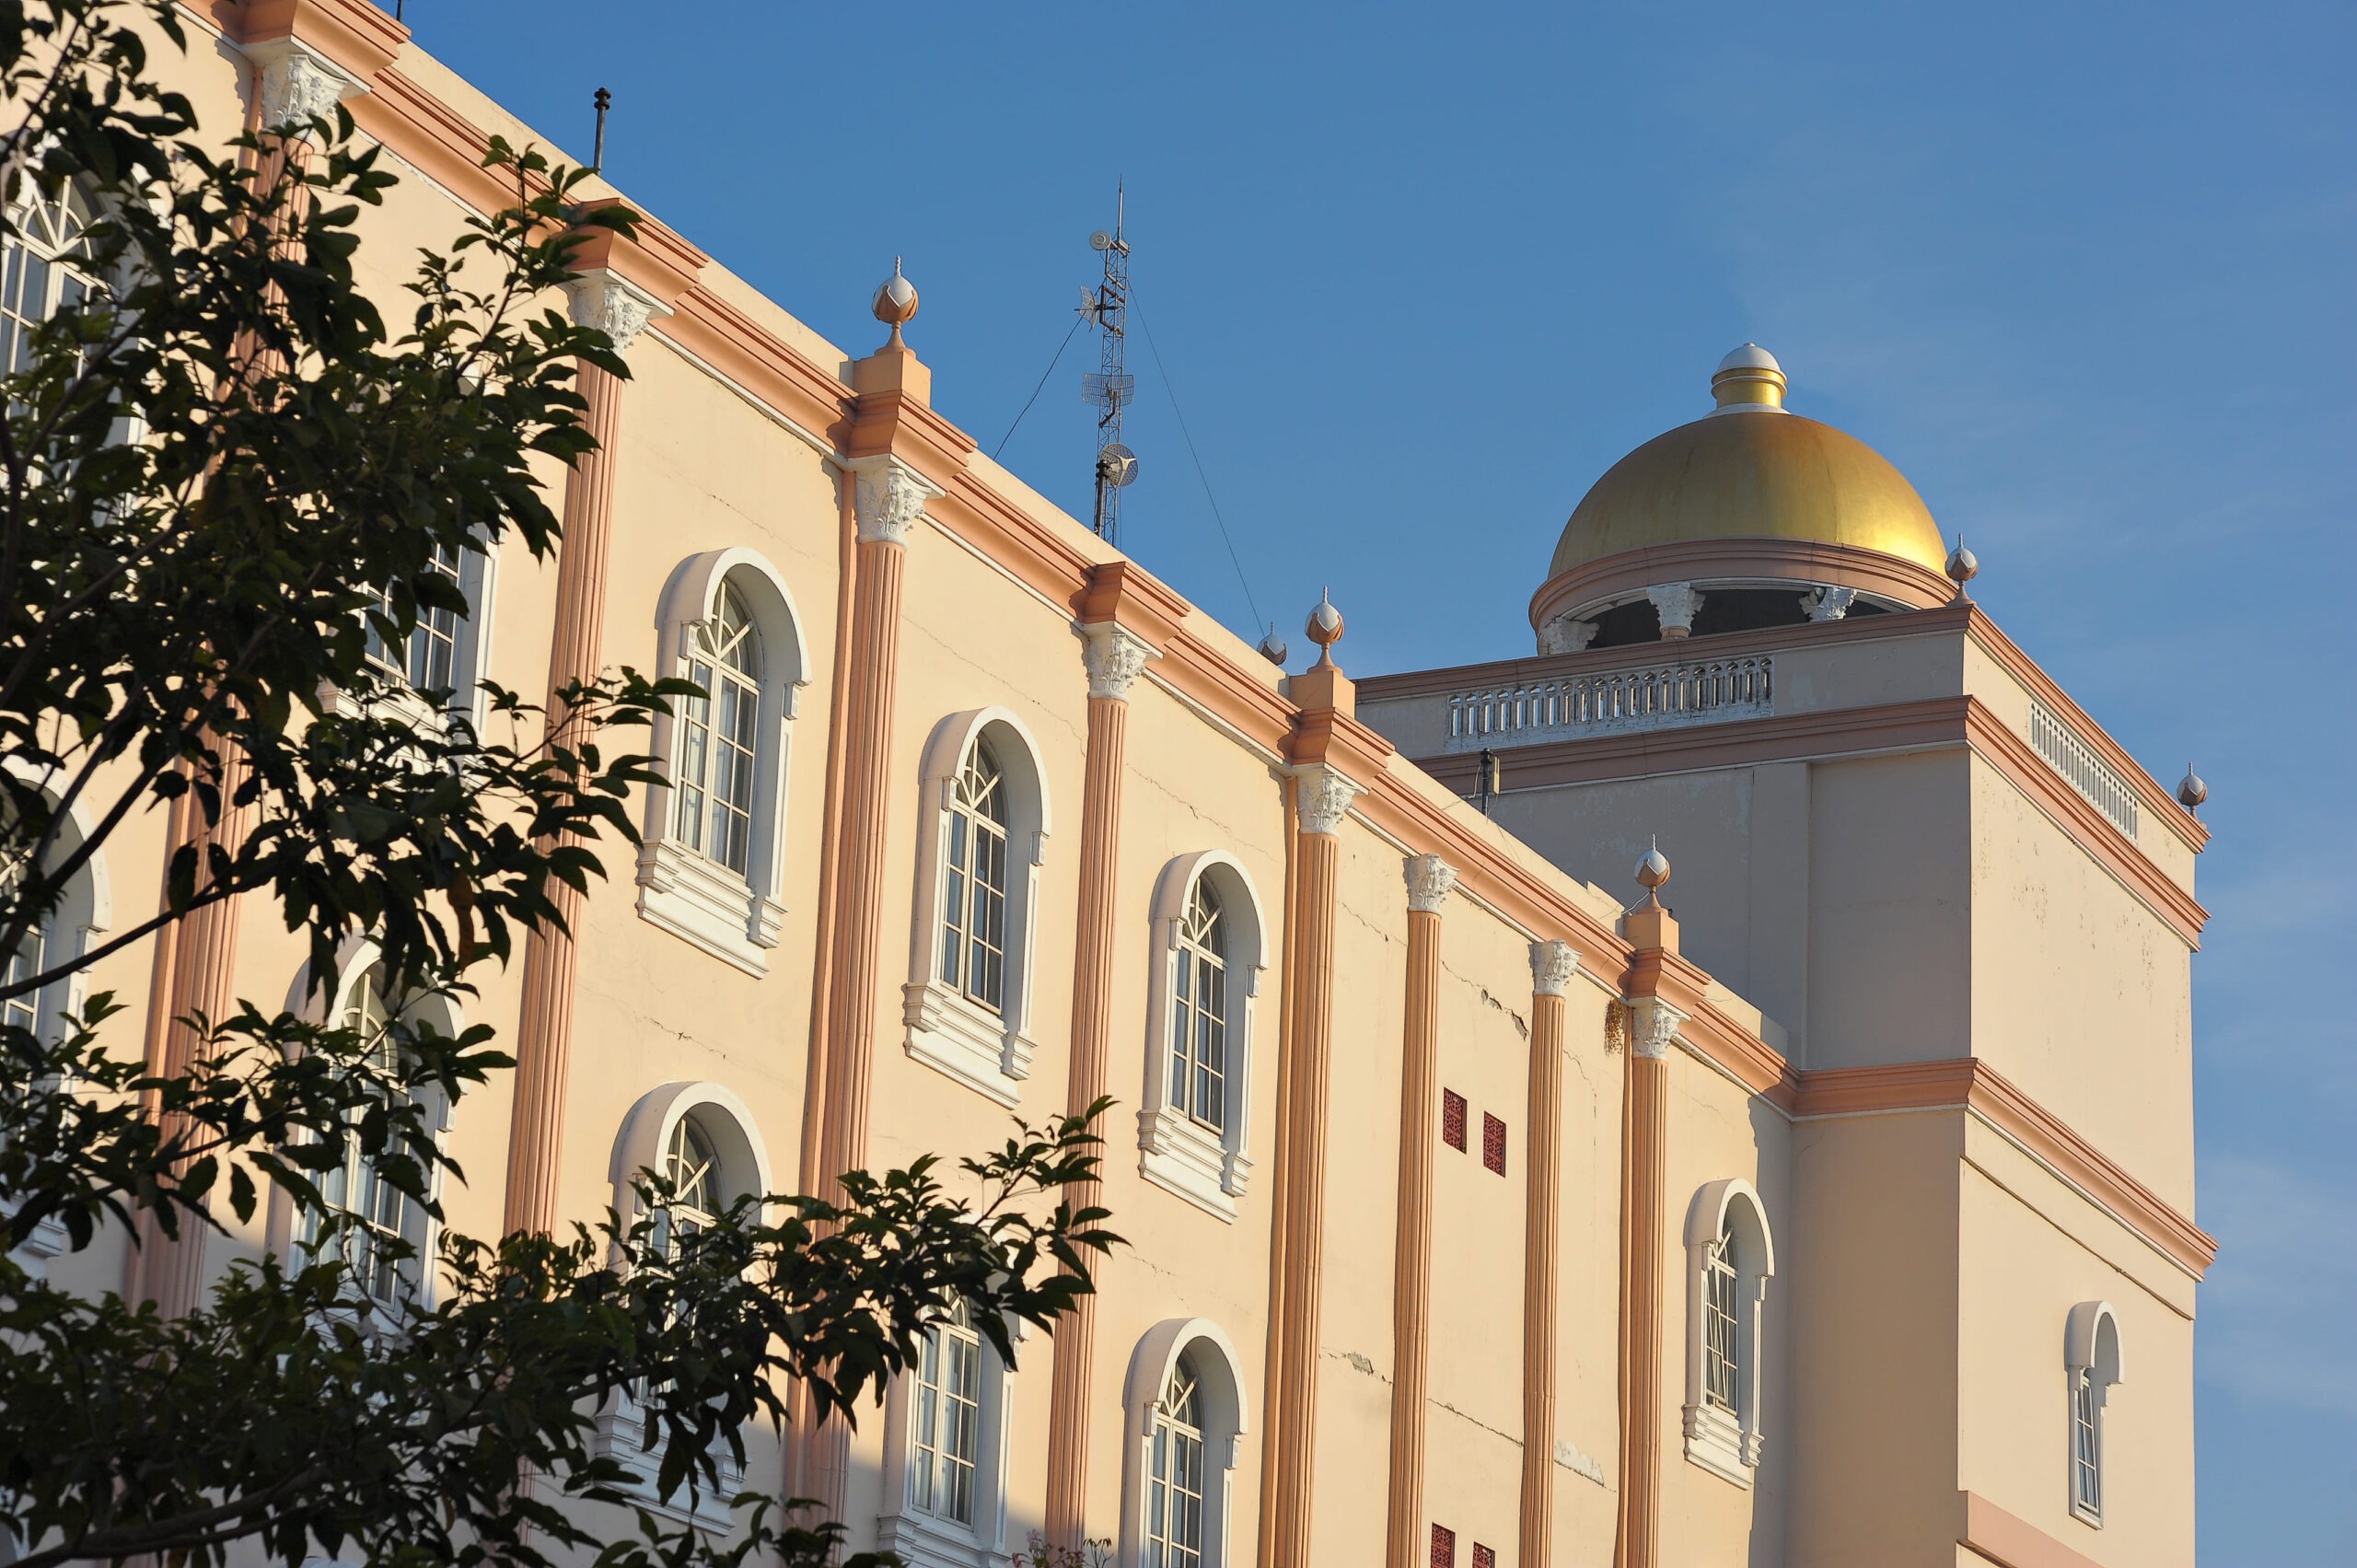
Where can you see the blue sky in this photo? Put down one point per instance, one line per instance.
(1419, 274)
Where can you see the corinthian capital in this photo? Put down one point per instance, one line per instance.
(891, 497)
(1115, 657)
(605, 300)
(1653, 1027)
(298, 83)
(1430, 878)
(1553, 965)
(1326, 797)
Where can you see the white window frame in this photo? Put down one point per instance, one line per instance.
(1727, 1442)
(986, 1051)
(642, 1144)
(2091, 1359)
(81, 917)
(930, 1540)
(1177, 1153)
(356, 956)
(736, 917)
(1219, 1376)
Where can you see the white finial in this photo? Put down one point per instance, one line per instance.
(2190, 790)
(1748, 380)
(1652, 870)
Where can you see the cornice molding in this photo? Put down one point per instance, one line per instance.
(1706, 561)
(1968, 1083)
(1932, 724)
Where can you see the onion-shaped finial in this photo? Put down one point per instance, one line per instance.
(1273, 647)
(896, 303)
(2190, 790)
(1962, 567)
(1325, 627)
(1653, 871)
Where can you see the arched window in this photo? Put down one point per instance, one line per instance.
(1185, 1398)
(2091, 1360)
(720, 735)
(44, 269)
(1199, 1025)
(945, 1443)
(1174, 1498)
(33, 996)
(376, 1234)
(1730, 1257)
(967, 1001)
(1211, 952)
(701, 1140)
(385, 1237)
(973, 880)
(711, 868)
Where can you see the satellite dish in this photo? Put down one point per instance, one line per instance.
(1100, 241)
(1119, 465)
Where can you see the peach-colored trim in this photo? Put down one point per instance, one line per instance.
(1296, 1396)
(1541, 1266)
(1095, 944)
(1413, 1254)
(1643, 1133)
(1956, 1083)
(804, 1452)
(2158, 802)
(1281, 1181)
(1847, 732)
(356, 35)
(544, 1025)
(2009, 1542)
(1785, 560)
(1741, 1054)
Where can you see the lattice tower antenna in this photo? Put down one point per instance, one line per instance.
(1109, 386)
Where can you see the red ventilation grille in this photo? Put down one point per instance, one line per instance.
(1452, 1131)
(1444, 1538)
(1485, 1557)
(1493, 1143)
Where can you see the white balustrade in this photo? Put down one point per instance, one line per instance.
(2072, 757)
(1612, 702)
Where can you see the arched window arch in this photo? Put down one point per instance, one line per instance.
(1188, 1417)
(983, 836)
(42, 999)
(386, 1237)
(710, 869)
(1210, 949)
(702, 1139)
(45, 267)
(2091, 1360)
(1730, 1257)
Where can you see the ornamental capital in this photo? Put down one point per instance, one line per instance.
(299, 84)
(1430, 878)
(891, 497)
(1326, 797)
(603, 298)
(1653, 1027)
(1553, 965)
(1565, 635)
(1116, 657)
(1677, 604)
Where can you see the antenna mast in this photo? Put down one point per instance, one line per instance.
(1110, 387)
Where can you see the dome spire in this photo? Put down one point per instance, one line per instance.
(1748, 380)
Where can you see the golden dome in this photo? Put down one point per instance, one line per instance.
(1751, 470)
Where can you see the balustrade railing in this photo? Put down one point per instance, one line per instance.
(2072, 757)
(1655, 696)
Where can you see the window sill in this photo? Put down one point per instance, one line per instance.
(966, 1041)
(924, 1542)
(2092, 1518)
(619, 1425)
(708, 906)
(1180, 1155)
(1716, 1440)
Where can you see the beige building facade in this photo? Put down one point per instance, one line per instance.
(1828, 1202)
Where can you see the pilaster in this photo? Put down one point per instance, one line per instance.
(1430, 878)
(1114, 656)
(1553, 965)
